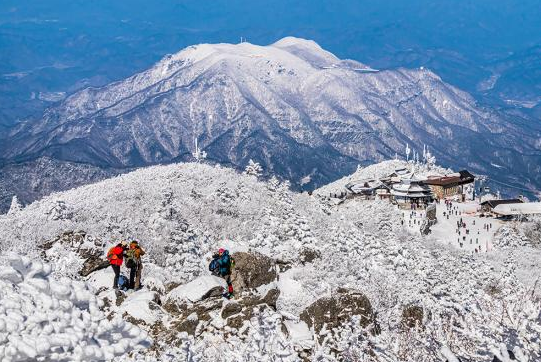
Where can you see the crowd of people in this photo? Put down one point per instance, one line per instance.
(466, 231)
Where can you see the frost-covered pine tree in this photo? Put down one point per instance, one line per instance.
(15, 205)
(430, 159)
(253, 169)
(408, 151)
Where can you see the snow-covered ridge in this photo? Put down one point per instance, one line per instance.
(293, 107)
(183, 212)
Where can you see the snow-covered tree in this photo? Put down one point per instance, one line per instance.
(430, 159)
(253, 169)
(15, 205)
(51, 320)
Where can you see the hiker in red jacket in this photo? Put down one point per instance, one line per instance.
(116, 257)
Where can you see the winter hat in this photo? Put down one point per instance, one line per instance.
(221, 251)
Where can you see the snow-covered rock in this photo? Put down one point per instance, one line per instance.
(198, 289)
(43, 319)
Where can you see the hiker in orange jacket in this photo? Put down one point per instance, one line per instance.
(116, 257)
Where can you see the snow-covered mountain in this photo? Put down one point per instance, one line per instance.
(295, 108)
(314, 282)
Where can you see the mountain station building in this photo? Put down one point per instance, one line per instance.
(490, 205)
(450, 185)
(409, 192)
(369, 189)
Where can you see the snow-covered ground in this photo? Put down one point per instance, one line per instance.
(481, 230)
(448, 229)
(474, 307)
(43, 319)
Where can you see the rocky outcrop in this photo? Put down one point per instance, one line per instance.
(199, 289)
(412, 317)
(338, 309)
(308, 255)
(94, 262)
(251, 271)
(243, 309)
(88, 248)
(188, 316)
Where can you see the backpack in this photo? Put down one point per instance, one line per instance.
(130, 259)
(213, 266)
(123, 282)
(225, 263)
(111, 255)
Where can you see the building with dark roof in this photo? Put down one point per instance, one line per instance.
(450, 185)
(411, 192)
(369, 189)
(488, 206)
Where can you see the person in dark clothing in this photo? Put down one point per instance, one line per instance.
(221, 265)
(133, 262)
(115, 255)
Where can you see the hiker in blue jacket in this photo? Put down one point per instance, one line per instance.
(221, 265)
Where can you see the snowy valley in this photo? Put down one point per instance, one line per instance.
(316, 278)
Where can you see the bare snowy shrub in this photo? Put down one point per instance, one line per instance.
(532, 230)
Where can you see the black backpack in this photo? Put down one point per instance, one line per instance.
(213, 266)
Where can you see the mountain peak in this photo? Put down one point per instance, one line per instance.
(289, 41)
(307, 50)
(295, 108)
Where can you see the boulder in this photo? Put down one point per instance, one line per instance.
(242, 310)
(338, 309)
(271, 298)
(252, 270)
(87, 247)
(308, 255)
(188, 324)
(412, 317)
(93, 263)
(199, 313)
(201, 288)
(231, 309)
